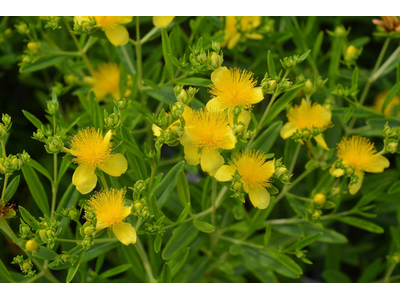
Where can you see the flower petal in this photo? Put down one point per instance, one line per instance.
(214, 105)
(234, 40)
(259, 197)
(100, 226)
(156, 130)
(116, 165)
(187, 140)
(118, 35)
(287, 130)
(107, 137)
(124, 20)
(125, 233)
(321, 141)
(84, 179)
(254, 36)
(229, 141)
(336, 172)
(245, 117)
(356, 187)
(377, 164)
(220, 74)
(211, 161)
(161, 21)
(256, 96)
(225, 173)
(192, 155)
(126, 211)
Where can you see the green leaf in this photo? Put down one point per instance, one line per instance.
(265, 141)
(394, 188)
(97, 115)
(35, 121)
(115, 271)
(165, 276)
(304, 56)
(303, 242)
(182, 236)
(126, 54)
(163, 190)
(183, 189)
(5, 274)
(42, 63)
(165, 95)
(258, 219)
(317, 45)
(177, 262)
(129, 254)
(393, 91)
(45, 253)
(72, 271)
(372, 271)
(267, 235)
(334, 276)
(36, 189)
(279, 105)
(273, 260)
(182, 217)
(372, 195)
(203, 226)
(63, 168)
(360, 223)
(166, 48)
(28, 218)
(354, 79)
(151, 84)
(195, 81)
(98, 250)
(38, 167)
(271, 65)
(157, 243)
(11, 188)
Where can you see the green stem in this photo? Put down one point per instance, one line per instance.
(296, 155)
(389, 272)
(145, 260)
(148, 35)
(4, 186)
(301, 220)
(239, 242)
(260, 125)
(287, 188)
(103, 181)
(54, 186)
(139, 59)
(96, 241)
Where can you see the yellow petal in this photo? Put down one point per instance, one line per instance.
(192, 155)
(377, 164)
(356, 187)
(126, 211)
(100, 226)
(125, 233)
(234, 40)
(219, 75)
(124, 20)
(336, 172)
(214, 105)
(287, 130)
(187, 140)
(162, 22)
(118, 35)
(116, 165)
(259, 197)
(211, 161)
(321, 141)
(229, 141)
(156, 130)
(254, 36)
(107, 137)
(245, 117)
(84, 179)
(225, 173)
(256, 95)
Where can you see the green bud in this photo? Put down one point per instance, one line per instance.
(3, 132)
(22, 28)
(237, 186)
(6, 121)
(54, 144)
(349, 171)
(52, 107)
(112, 121)
(392, 147)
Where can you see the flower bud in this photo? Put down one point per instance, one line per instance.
(52, 107)
(392, 147)
(349, 171)
(183, 97)
(215, 60)
(6, 120)
(87, 80)
(22, 28)
(316, 215)
(308, 86)
(31, 246)
(70, 79)
(137, 206)
(280, 171)
(238, 129)
(319, 199)
(33, 46)
(25, 266)
(306, 134)
(237, 186)
(89, 230)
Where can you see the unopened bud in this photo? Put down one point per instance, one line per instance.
(138, 206)
(31, 246)
(237, 186)
(392, 147)
(319, 199)
(33, 46)
(349, 171)
(308, 86)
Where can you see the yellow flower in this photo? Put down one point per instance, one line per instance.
(232, 36)
(233, 87)
(162, 22)
(110, 209)
(93, 152)
(205, 134)
(117, 34)
(307, 116)
(256, 175)
(106, 80)
(380, 99)
(359, 153)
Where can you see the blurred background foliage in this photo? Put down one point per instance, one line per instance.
(347, 254)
